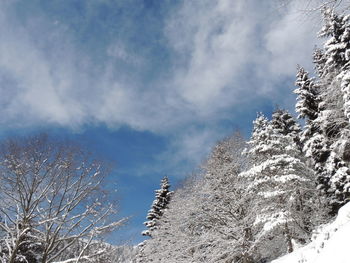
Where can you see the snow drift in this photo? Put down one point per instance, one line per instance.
(330, 243)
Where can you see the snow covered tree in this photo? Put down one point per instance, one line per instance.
(173, 240)
(208, 218)
(284, 188)
(102, 252)
(319, 59)
(27, 249)
(54, 198)
(163, 196)
(312, 137)
(154, 216)
(283, 122)
(307, 106)
(308, 99)
(227, 206)
(326, 134)
(337, 48)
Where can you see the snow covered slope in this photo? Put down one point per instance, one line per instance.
(330, 244)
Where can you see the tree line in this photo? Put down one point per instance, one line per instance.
(253, 201)
(256, 200)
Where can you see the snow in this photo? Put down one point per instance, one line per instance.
(270, 221)
(271, 194)
(330, 243)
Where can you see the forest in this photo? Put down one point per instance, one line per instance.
(252, 201)
(259, 199)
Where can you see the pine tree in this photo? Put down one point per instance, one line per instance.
(337, 48)
(260, 124)
(307, 106)
(283, 122)
(163, 196)
(315, 143)
(326, 137)
(283, 185)
(178, 228)
(307, 100)
(337, 52)
(319, 59)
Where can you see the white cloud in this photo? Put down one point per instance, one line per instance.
(42, 84)
(226, 54)
(216, 41)
(119, 51)
(184, 154)
(233, 51)
(291, 41)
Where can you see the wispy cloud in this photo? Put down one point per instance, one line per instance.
(232, 51)
(220, 57)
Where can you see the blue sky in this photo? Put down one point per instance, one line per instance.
(150, 85)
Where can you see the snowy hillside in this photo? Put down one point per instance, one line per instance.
(330, 243)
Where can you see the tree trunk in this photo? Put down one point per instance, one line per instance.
(15, 250)
(288, 239)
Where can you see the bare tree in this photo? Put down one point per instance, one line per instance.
(208, 218)
(52, 199)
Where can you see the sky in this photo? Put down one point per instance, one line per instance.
(150, 85)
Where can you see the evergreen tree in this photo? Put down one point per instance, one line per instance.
(307, 100)
(283, 122)
(307, 106)
(315, 144)
(319, 60)
(283, 185)
(337, 48)
(345, 88)
(328, 135)
(163, 196)
(178, 229)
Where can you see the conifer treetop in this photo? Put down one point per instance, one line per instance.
(159, 205)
